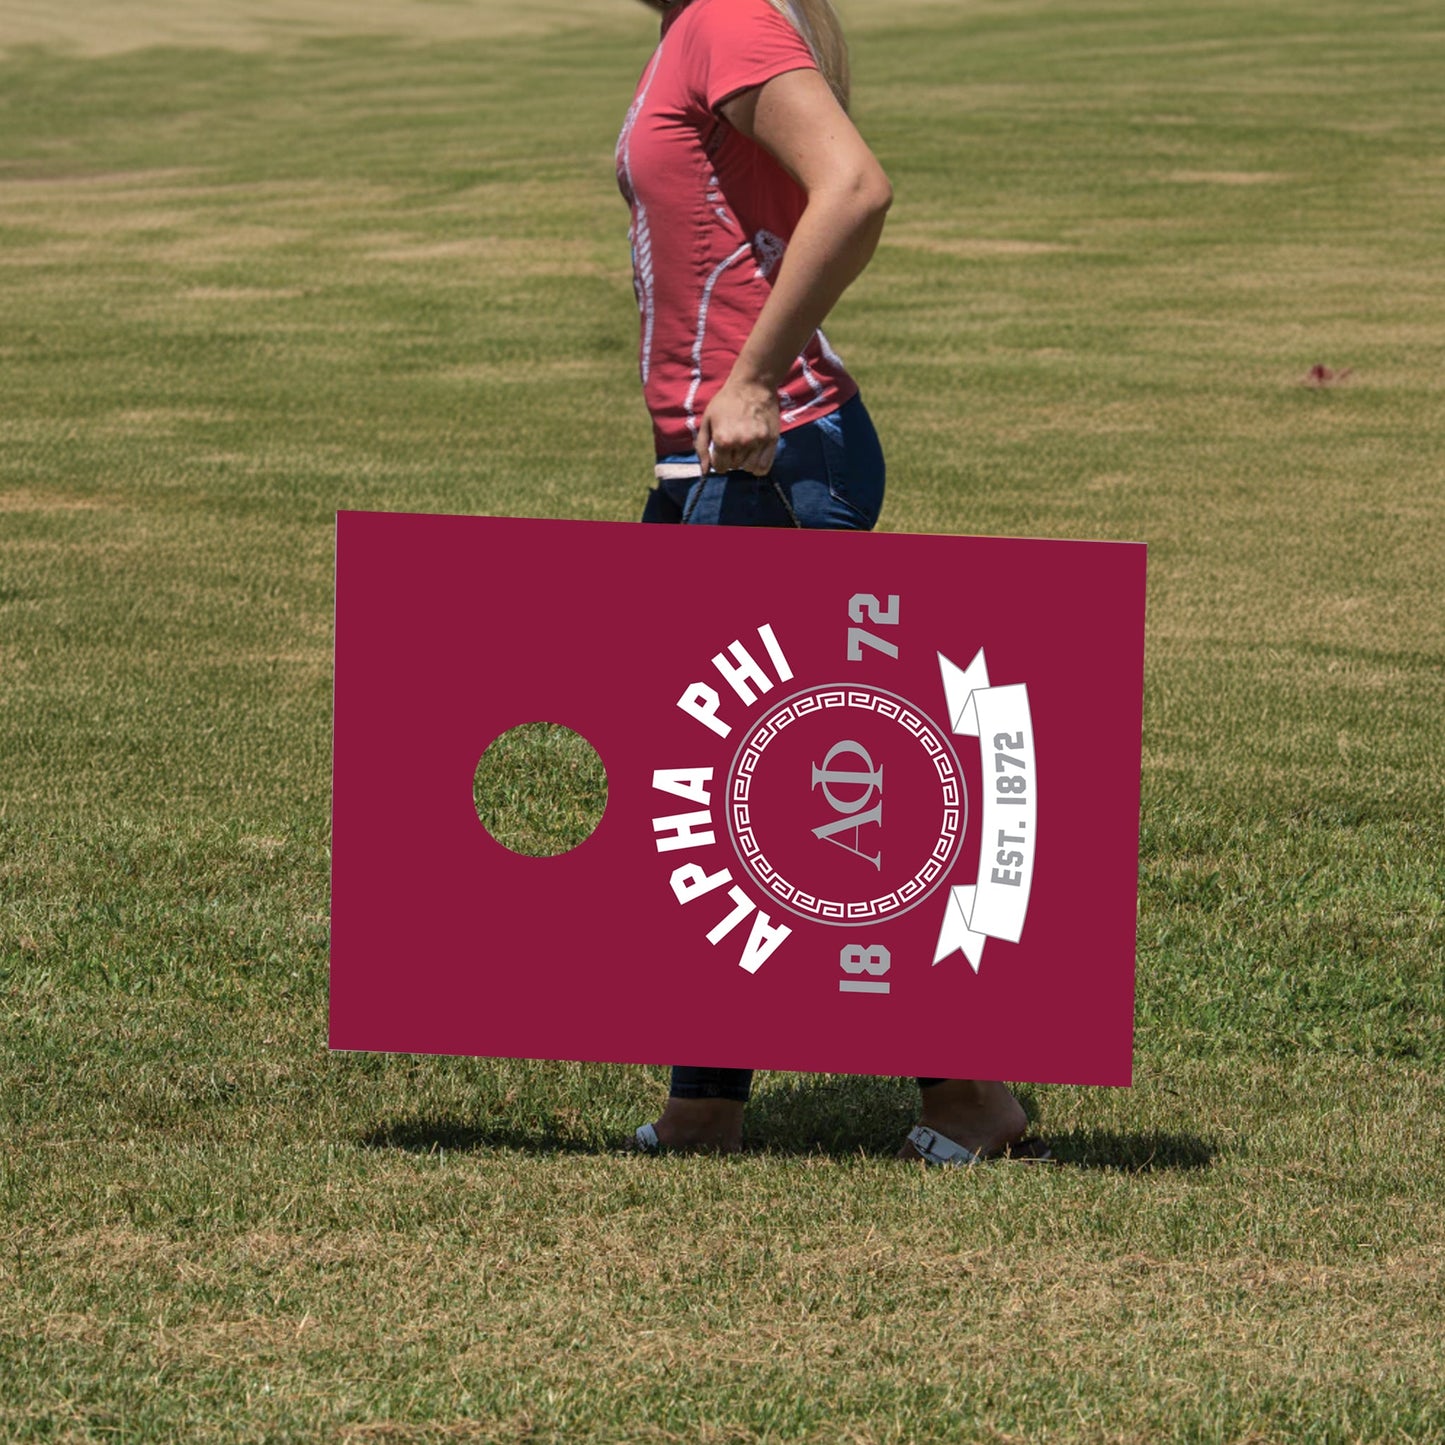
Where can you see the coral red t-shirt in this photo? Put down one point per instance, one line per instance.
(712, 213)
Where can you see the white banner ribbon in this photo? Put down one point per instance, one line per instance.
(994, 906)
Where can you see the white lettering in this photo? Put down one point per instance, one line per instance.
(681, 825)
(701, 701)
(775, 652)
(742, 906)
(744, 671)
(690, 881)
(762, 941)
(684, 783)
(743, 674)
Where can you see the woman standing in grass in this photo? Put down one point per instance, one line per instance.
(755, 202)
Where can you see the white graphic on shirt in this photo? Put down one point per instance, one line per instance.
(769, 250)
(714, 199)
(829, 355)
(703, 305)
(818, 391)
(643, 282)
(640, 233)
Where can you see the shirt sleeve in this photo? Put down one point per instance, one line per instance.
(737, 44)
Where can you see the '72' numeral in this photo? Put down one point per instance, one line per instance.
(865, 607)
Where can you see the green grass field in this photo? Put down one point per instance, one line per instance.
(260, 261)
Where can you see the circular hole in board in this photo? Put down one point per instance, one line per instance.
(540, 789)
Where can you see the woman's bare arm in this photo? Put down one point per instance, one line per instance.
(796, 118)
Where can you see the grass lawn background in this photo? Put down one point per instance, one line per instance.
(262, 261)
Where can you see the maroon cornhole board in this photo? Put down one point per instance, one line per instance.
(872, 805)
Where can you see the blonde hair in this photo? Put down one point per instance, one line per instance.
(817, 22)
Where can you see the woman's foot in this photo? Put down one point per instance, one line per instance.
(979, 1114)
(711, 1126)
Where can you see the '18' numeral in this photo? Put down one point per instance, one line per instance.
(855, 960)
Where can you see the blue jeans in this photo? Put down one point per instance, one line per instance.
(828, 475)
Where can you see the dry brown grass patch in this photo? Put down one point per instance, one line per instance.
(533, 373)
(99, 28)
(510, 256)
(1227, 178)
(968, 247)
(244, 293)
(136, 184)
(26, 499)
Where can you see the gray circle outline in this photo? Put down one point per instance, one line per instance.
(946, 738)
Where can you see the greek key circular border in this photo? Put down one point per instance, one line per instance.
(934, 742)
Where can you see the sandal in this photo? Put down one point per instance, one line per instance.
(936, 1148)
(645, 1141)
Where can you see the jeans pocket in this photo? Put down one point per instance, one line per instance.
(854, 462)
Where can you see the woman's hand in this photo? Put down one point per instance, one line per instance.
(739, 429)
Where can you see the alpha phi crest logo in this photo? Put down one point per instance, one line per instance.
(843, 805)
(849, 790)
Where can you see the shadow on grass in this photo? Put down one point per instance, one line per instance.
(843, 1116)
(1150, 1151)
(830, 1116)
